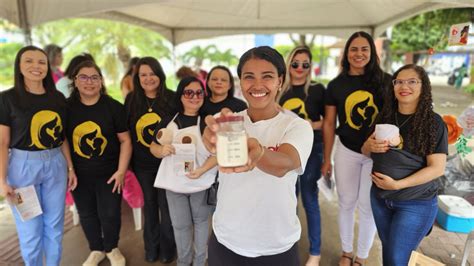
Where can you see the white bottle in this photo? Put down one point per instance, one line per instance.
(231, 142)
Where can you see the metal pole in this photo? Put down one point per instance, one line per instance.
(24, 24)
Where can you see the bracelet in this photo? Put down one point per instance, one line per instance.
(70, 169)
(262, 152)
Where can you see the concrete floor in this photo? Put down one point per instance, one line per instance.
(443, 246)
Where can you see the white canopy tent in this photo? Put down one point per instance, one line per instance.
(183, 20)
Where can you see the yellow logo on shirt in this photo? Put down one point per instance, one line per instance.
(360, 109)
(296, 105)
(145, 128)
(88, 141)
(46, 129)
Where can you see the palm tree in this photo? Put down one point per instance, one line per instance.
(226, 57)
(199, 54)
(111, 43)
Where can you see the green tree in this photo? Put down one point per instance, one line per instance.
(111, 43)
(227, 58)
(198, 54)
(427, 30)
(8, 52)
(319, 53)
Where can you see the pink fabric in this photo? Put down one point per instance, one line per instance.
(69, 199)
(132, 192)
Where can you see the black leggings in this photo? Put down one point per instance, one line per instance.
(220, 255)
(99, 212)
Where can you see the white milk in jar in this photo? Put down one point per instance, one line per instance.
(231, 144)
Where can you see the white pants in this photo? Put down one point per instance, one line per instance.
(353, 182)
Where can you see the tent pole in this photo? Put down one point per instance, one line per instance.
(24, 21)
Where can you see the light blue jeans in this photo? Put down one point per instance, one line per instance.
(42, 235)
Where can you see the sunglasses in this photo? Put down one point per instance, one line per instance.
(304, 65)
(189, 94)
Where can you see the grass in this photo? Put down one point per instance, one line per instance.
(469, 88)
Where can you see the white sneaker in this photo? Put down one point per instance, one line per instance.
(94, 258)
(116, 258)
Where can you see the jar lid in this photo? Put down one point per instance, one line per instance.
(229, 118)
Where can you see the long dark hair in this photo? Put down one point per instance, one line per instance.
(138, 98)
(179, 91)
(373, 74)
(133, 61)
(75, 95)
(264, 53)
(230, 92)
(75, 61)
(22, 97)
(422, 136)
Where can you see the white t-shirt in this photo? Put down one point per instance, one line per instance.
(256, 212)
(63, 86)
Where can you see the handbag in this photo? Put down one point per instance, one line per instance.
(212, 192)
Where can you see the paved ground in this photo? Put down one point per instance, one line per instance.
(444, 246)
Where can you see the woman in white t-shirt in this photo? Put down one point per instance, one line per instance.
(255, 221)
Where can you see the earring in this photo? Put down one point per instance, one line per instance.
(279, 89)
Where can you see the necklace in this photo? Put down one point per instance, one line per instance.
(150, 109)
(404, 122)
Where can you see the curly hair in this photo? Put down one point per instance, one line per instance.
(422, 136)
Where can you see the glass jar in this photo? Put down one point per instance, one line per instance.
(231, 147)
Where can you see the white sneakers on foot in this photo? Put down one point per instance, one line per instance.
(94, 258)
(116, 258)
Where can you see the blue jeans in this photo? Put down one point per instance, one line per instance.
(402, 225)
(309, 195)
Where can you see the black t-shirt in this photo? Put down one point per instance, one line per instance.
(92, 134)
(309, 106)
(181, 121)
(423, 191)
(211, 108)
(357, 107)
(142, 131)
(38, 127)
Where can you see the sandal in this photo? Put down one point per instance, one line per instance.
(356, 262)
(344, 256)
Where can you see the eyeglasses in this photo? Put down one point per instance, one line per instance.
(189, 94)
(84, 78)
(304, 65)
(409, 82)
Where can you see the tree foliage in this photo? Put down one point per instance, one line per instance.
(316, 51)
(197, 55)
(111, 43)
(427, 30)
(8, 52)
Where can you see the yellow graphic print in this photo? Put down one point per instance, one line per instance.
(296, 105)
(400, 146)
(88, 141)
(46, 129)
(360, 109)
(145, 128)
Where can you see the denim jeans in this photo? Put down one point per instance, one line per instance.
(309, 196)
(402, 225)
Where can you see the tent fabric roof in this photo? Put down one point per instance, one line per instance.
(183, 20)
